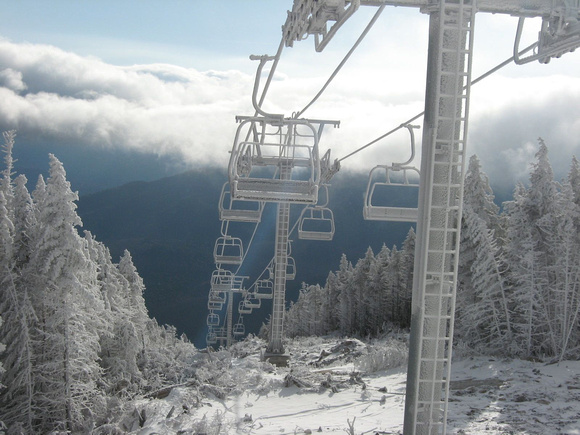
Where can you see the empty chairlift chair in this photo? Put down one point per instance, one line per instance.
(239, 328)
(216, 300)
(224, 280)
(213, 319)
(265, 152)
(211, 337)
(316, 223)
(243, 309)
(392, 194)
(264, 289)
(251, 301)
(228, 250)
(238, 210)
(290, 269)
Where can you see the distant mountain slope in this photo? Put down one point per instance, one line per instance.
(170, 227)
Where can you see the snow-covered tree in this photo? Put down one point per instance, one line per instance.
(346, 296)
(484, 316)
(121, 341)
(6, 182)
(67, 371)
(24, 221)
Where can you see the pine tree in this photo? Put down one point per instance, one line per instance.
(6, 182)
(69, 310)
(485, 318)
(120, 342)
(563, 292)
(15, 308)
(345, 296)
(407, 272)
(363, 297)
(24, 222)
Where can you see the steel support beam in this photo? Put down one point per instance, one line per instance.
(520, 8)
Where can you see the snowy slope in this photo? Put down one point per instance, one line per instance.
(332, 386)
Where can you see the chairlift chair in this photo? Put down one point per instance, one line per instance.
(216, 300)
(243, 309)
(239, 328)
(220, 333)
(252, 302)
(224, 280)
(373, 211)
(279, 145)
(213, 319)
(228, 250)
(316, 223)
(264, 289)
(213, 305)
(238, 210)
(221, 280)
(211, 337)
(290, 269)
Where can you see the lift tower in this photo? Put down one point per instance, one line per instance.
(451, 31)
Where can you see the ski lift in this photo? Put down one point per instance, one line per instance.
(213, 319)
(216, 300)
(217, 296)
(224, 280)
(239, 328)
(290, 269)
(377, 190)
(264, 289)
(220, 333)
(317, 222)
(211, 337)
(398, 182)
(277, 146)
(213, 305)
(243, 309)
(228, 250)
(238, 210)
(252, 302)
(221, 280)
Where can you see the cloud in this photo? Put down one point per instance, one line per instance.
(160, 109)
(166, 109)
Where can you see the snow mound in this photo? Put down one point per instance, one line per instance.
(343, 384)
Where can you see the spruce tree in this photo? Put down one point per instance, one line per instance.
(70, 309)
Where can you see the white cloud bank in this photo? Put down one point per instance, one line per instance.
(164, 109)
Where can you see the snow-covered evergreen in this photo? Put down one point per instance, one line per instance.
(361, 300)
(78, 337)
(519, 273)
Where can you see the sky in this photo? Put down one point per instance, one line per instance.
(168, 78)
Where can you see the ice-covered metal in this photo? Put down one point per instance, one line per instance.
(262, 148)
(389, 180)
(238, 210)
(228, 250)
(321, 18)
(559, 34)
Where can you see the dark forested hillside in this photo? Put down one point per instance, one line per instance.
(170, 227)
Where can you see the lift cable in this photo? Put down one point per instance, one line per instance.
(341, 64)
(473, 82)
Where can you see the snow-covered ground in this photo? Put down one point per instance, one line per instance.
(346, 386)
